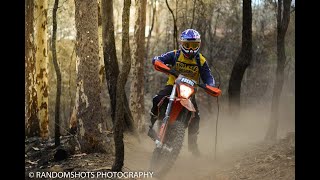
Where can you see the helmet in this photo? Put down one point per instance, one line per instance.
(190, 43)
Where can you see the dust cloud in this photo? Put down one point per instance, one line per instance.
(234, 138)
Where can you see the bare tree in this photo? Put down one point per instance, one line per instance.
(137, 84)
(148, 66)
(111, 62)
(88, 106)
(58, 73)
(32, 126)
(122, 79)
(283, 19)
(154, 8)
(193, 13)
(41, 9)
(243, 60)
(175, 29)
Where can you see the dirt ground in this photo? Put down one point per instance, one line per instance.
(241, 153)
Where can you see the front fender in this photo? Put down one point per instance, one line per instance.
(187, 104)
(177, 107)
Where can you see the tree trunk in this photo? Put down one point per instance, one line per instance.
(154, 8)
(102, 74)
(41, 9)
(193, 13)
(215, 26)
(242, 62)
(175, 29)
(283, 19)
(32, 126)
(71, 105)
(148, 65)
(58, 73)
(111, 62)
(122, 79)
(88, 104)
(137, 84)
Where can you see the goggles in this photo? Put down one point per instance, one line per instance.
(191, 45)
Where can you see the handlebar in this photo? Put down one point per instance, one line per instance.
(213, 91)
(159, 66)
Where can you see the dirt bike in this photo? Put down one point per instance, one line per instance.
(176, 115)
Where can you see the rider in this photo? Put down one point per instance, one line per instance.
(192, 64)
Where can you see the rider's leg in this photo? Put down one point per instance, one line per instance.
(193, 131)
(153, 119)
(154, 110)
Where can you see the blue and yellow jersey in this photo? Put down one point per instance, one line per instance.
(187, 67)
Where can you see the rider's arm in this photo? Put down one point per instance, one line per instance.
(166, 58)
(206, 75)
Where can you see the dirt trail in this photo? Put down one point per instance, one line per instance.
(187, 167)
(234, 140)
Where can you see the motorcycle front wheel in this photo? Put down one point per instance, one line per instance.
(162, 159)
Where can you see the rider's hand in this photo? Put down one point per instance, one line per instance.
(212, 90)
(159, 66)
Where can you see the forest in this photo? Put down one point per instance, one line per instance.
(90, 84)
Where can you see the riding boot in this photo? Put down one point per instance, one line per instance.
(193, 131)
(192, 144)
(151, 133)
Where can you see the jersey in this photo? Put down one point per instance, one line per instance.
(187, 67)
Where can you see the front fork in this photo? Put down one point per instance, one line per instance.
(164, 125)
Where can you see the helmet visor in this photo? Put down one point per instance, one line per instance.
(191, 45)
